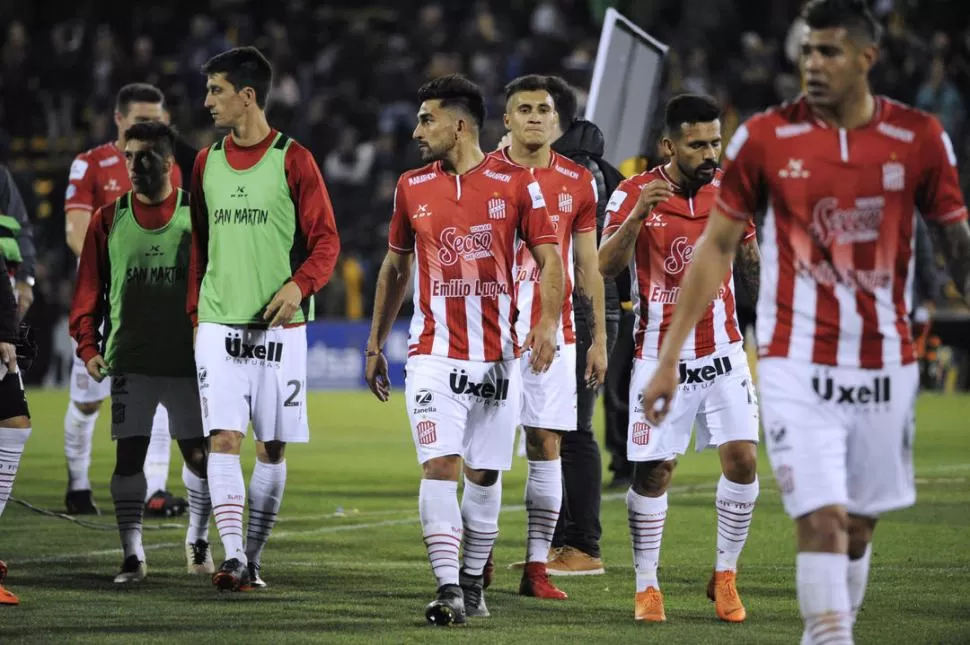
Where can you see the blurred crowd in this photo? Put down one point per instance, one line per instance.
(347, 71)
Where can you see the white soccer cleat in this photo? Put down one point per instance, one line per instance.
(198, 558)
(132, 570)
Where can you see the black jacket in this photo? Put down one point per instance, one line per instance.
(583, 143)
(12, 204)
(9, 327)
(185, 160)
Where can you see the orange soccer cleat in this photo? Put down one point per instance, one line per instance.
(649, 606)
(6, 597)
(722, 589)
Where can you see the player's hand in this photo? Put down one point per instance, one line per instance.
(8, 356)
(25, 298)
(659, 393)
(595, 366)
(655, 192)
(283, 305)
(375, 373)
(97, 368)
(541, 341)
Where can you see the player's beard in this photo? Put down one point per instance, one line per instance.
(694, 176)
(430, 154)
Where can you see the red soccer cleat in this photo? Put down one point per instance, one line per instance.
(536, 583)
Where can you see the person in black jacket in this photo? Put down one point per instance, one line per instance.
(14, 414)
(12, 205)
(576, 548)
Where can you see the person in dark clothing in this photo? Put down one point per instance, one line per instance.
(17, 241)
(576, 541)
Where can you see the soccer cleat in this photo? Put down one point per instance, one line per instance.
(489, 572)
(6, 597)
(553, 554)
(473, 589)
(448, 608)
(570, 561)
(163, 504)
(132, 570)
(536, 584)
(198, 557)
(723, 590)
(255, 581)
(649, 606)
(80, 502)
(233, 575)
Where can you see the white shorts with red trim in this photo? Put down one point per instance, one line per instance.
(549, 398)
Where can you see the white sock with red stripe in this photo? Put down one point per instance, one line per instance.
(159, 453)
(78, 431)
(543, 500)
(265, 496)
(647, 516)
(228, 492)
(480, 508)
(823, 597)
(441, 525)
(128, 493)
(12, 442)
(200, 505)
(858, 579)
(735, 505)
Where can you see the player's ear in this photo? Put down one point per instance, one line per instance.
(507, 121)
(667, 146)
(870, 56)
(249, 95)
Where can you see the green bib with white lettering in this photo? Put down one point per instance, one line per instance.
(148, 331)
(252, 229)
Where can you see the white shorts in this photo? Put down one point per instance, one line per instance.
(549, 399)
(716, 391)
(85, 389)
(256, 375)
(463, 408)
(840, 436)
(135, 398)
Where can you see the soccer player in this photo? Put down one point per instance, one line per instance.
(459, 217)
(840, 173)
(14, 413)
(264, 242)
(133, 278)
(549, 401)
(655, 220)
(98, 177)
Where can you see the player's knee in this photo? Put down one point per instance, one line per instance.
(88, 408)
(739, 461)
(483, 478)
(651, 478)
(194, 454)
(442, 468)
(18, 423)
(860, 535)
(541, 445)
(225, 441)
(270, 452)
(824, 530)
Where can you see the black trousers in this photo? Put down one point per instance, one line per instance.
(616, 398)
(579, 519)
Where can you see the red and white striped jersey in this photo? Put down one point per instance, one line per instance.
(570, 193)
(664, 248)
(837, 240)
(463, 230)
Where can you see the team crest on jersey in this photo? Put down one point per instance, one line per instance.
(794, 170)
(565, 202)
(893, 176)
(112, 186)
(496, 208)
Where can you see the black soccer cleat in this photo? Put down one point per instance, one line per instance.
(80, 502)
(473, 588)
(448, 608)
(163, 504)
(255, 581)
(233, 575)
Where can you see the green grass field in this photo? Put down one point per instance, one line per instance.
(362, 576)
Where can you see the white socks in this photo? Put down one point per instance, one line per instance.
(480, 508)
(543, 500)
(441, 525)
(265, 495)
(228, 493)
(646, 516)
(12, 442)
(159, 453)
(858, 579)
(735, 504)
(823, 596)
(200, 505)
(128, 494)
(78, 430)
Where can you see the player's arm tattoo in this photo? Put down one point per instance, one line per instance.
(583, 304)
(954, 240)
(747, 268)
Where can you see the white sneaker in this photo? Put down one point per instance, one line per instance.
(198, 558)
(132, 570)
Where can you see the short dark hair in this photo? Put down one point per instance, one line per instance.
(454, 90)
(527, 83)
(160, 135)
(243, 67)
(137, 93)
(853, 15)
(690, 109)
(564, 96)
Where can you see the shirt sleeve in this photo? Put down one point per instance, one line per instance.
(87, 306)
(400, 236)
(586, 215)
(621, 204)
(199, 256)
(938, 196)
(535, 227)
(80, 185)
(9, 329)
(739, 195)
(317, 223)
